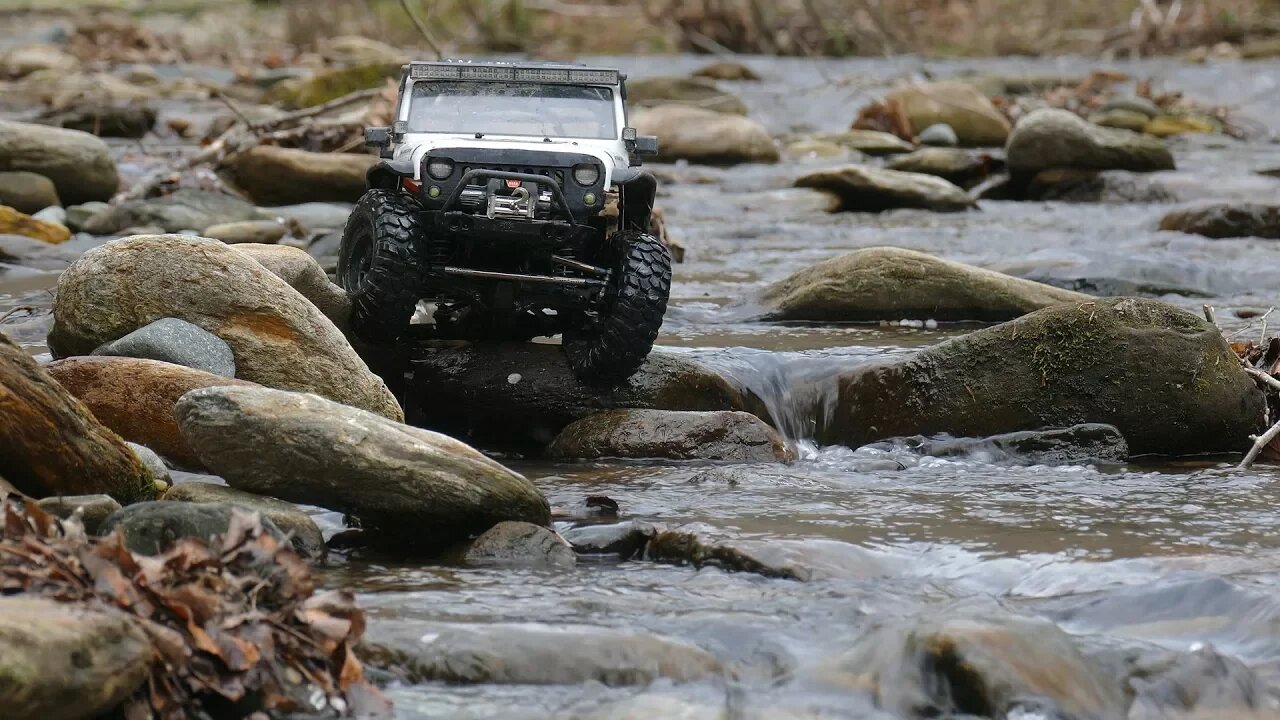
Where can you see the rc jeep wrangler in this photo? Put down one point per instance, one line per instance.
(509, 201)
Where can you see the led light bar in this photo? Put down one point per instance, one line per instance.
(512, 73)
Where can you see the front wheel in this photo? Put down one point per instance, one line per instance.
(612, 348)
(379, 265)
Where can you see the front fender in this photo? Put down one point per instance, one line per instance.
(387, 174)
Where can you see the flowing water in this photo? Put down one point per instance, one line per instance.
(1156, 553)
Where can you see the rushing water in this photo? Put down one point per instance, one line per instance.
(1160, 553)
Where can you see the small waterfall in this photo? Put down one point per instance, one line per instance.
(799, 391)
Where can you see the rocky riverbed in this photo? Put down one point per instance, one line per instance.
(775, 518)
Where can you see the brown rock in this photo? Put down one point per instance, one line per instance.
(135, 398)
(27, 192)
(296, 267)
(687, 435)
(971, 114)
(281, 176)
(13, 222)
(50, 444)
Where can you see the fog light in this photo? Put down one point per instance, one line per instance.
(589, 198)
(433, 191)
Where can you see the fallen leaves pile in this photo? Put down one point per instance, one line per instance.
(238, 628)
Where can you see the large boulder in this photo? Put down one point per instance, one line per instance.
(886, 283)
(175, 341)
(1164, 377)
(696, 92)
(304, 274)
(135, 398)
(528, 654)
(676, 435)
(411, 489)
(63, 661)
(1050, 138)
(524, 393)
(861, 188)
(303, 531)
(50, 444)
(1226, 220)
(278, 337)
(978, 667)
(273, 175)
(27, 192)
(185, 209)
(972, 116)
(703, 136)
(79, 164)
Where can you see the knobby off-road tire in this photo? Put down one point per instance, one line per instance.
(612, 349)
(379, 265)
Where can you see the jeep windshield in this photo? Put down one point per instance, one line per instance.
(498, 108)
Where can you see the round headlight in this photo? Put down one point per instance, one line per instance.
(586, 175)
(439, 168)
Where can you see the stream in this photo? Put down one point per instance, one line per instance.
(1155, 553)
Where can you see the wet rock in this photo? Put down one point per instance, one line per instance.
(21, 61)
(1138, 105)
(1120, 361)
(27, 192)
(1198, 684)
(524, 392)
(278, 338)
(79, 164)
(520, 544)
(1091, 186)
(305, 275)
(132, 120)
(332, 84)
(281, 176)
(303, 531)
(154, 464)
(726, 70)
(1083, 444)
(35, 253)
(1226, 220)
(1120, 119)
(411, 489)
(626, 540)
(819, 149)
(703, 136)
(868, 142)
(175, 341)
(135, 398)
(93, 510)
(1050, 138)
(78, 215)
(697, 92)
(266, 232)
(529, 654)
(701, 546)
(972, 116)
(150, 528)
(313, 216)
(1170, 125)
(63, 661)
(54, 215)
(939, 135)
(13, 222)
(868, 189)
(980, 666)
(958, 167)
(893, 283)
(50, 444)
(186, 208)
(676, 435)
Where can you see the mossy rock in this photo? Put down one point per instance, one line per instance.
(332, 84)
(1161, 375)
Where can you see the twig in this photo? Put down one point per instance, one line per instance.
(322, 108)
(9, 314)
(1261, 442)
(235, 109)
(1208, 314)
(1263, 376)
(422, 29)
(1265, 315)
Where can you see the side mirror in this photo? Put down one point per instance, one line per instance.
(377, 137)
(398, 129)
(646, 145)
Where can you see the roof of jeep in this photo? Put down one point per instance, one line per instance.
(513, 64)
